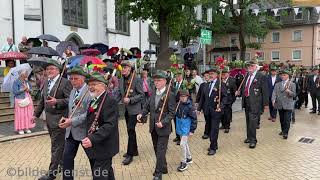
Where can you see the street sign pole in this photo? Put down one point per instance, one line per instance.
(205, 38)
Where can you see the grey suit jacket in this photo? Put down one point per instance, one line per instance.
(54, 113)
(78, 125)
(282, 99)
(136, 96)
(167, 116)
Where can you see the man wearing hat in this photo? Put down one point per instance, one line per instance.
(205, 110)
(314, 89)
(102, 140)
(272, 79)
(303, 94)
(254, 97)
(283, 100)
(133, 106)
(76, 125)
(177, 85)
(231, 88)
(160, 128)
(55, 107)
(212, 108)
(206, 78)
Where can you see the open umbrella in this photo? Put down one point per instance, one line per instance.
(149, 52)
(126, 51)
(90, 52)
(113, 51)
(136, 52)
(92, 60)
(39, 61)
(100, 46)
(84, 46)
(63, 45)
(13, 75)
(81, 59)
(48, 51)
(36, 42)
(48, 37)
(12, 56)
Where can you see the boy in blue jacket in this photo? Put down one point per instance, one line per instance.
(186, 125)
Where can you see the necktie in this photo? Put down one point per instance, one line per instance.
(210, 86)
(49, 84)
(76, 94)
(246, 90)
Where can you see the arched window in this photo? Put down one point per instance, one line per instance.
(75, 38)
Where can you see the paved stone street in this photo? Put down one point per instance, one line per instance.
(273, 158)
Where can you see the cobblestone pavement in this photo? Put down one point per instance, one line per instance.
(273, 158)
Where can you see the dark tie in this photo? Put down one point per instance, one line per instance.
(49, 83)
(76, 94)
(210, 86)
(246, 89)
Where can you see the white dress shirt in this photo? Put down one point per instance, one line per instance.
(273, 80)
(159, 92)
(53, 82)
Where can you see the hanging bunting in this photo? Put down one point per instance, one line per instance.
(296, 10)
(223, 4)
(209, 15)
(199, 12)
(223, 10)
(235, 1)
(239, 10)
(183, 7)
(318, 9)
(275, 11)
(256, 12)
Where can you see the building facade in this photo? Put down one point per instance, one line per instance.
(297, 41)
(80, 21)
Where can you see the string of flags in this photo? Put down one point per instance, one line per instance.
(256, 10)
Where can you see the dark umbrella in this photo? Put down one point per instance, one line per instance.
(149, 52)
(48, 37)
(48, 51)
(100, 46)
(39, 61)
(90, 52)
(36, 42)
(63, 45)
(12, 56)
(137, 50)
(84, 46)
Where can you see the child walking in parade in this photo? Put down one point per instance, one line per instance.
(186, 125)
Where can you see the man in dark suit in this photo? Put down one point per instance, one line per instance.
(254, 95)
(177, 85)
(160, 128)
(133, 106)
(201, 91)
(206, 79)
(209, 103)
(303, 94)
(76, 125)
(272, 79)
(314, 89)
(231, 88)
(102, 141)
(206, 113)
(55, 107)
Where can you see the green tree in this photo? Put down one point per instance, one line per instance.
(186, 27)
(246, 23)
(161, 12)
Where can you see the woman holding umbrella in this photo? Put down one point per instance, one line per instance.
(23, 110)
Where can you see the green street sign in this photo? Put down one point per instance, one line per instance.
(206, 36)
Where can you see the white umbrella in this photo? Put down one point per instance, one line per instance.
(13, 75)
